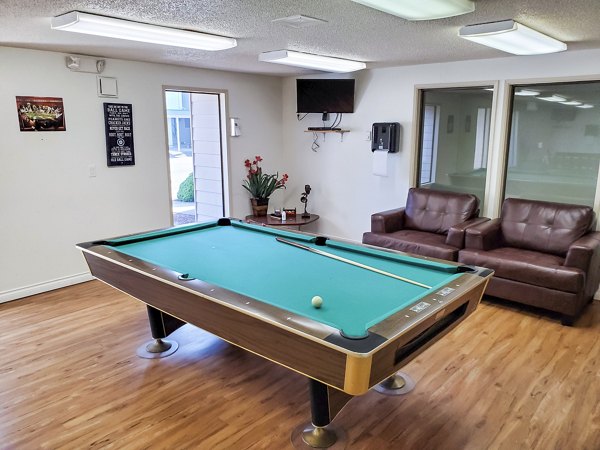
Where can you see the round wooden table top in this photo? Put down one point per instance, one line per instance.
(291, 221)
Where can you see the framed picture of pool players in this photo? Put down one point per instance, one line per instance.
(41, 113)
(118, 126)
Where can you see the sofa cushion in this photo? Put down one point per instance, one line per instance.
(414, 241)
(437, 211)
(526, 266)
(543, 226)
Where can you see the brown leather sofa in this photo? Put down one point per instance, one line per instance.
(433, 224)
(543, 254)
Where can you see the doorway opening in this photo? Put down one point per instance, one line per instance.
(195, 139)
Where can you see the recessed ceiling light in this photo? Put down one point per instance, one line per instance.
(526, 93)
(310, 61)
(298, 21)
(572, 103)
(585, 106)
(421, 9)
(111, 27)
(512, 37)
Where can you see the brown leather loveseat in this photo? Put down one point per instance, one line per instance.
(543, 254)
(433, 224)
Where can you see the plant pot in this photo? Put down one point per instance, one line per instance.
(259, 206)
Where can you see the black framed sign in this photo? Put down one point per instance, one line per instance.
(118, 126)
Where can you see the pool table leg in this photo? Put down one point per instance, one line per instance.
(398, 384)
(325, 403)
(161, 325)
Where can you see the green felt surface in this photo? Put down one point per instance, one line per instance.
(248, 260)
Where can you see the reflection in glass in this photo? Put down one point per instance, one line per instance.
(554, 148)
(455, 131)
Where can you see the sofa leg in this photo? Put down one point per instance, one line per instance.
(567, 321)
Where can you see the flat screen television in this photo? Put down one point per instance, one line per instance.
(325, 95)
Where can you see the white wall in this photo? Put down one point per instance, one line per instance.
(48, 202)
(345, 192)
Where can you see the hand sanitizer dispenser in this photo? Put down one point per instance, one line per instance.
(386, 136)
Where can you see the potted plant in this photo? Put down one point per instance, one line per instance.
(261, 185)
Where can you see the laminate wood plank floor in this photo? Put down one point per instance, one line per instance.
(70, 379)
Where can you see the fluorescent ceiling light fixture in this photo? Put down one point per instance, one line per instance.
(111, 27)
(527, 93)
(310, 61)
(554, 98)
(512, 37)
(421, 9)
(586, 106)
(572, 103)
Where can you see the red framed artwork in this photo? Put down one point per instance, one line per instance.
(41, 114)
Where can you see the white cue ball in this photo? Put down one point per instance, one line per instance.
(317, 301)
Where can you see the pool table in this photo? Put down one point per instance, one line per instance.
(252, 286)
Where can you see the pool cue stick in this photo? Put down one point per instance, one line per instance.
(351, 262)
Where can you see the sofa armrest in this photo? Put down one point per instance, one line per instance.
(485, 236)
(387, 221)
(582, 250)
(456, 233)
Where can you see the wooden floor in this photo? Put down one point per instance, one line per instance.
(69, 379)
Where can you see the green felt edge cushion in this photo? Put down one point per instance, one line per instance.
(415, 298)
(201, 226)
(393, 256)
(160, 233)
(275, 231)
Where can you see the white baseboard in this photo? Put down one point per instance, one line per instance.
(14, 294)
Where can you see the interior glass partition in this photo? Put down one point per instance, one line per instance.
(454, 139)
(554, 145)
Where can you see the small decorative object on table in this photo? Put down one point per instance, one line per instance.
(304, 199)
(261, 185)
(290, 211)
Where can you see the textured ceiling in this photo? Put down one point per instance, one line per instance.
(352, 30)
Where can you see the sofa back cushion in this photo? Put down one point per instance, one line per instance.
(437, 211)
(544, 226)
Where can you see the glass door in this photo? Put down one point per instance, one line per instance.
(195, 138)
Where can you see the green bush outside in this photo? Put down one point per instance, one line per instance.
(186, 189)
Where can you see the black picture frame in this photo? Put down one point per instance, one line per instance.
(118, 126)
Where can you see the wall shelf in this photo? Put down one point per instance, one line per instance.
(325, 132)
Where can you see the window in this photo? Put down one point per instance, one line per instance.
(554, 146)
(177, 101)
(455, 132)
(482, 137)
(179, 121)
(430, 130)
